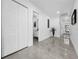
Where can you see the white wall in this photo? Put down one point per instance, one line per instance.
(43, 32)
(43, 27)
(74, 31)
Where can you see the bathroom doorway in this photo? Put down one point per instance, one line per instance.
(35, 27)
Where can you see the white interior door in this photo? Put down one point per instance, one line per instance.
(14, 27)
(22, 26)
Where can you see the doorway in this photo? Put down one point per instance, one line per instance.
(35, 27)
(65, 27)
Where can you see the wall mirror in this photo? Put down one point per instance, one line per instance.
(74, 17)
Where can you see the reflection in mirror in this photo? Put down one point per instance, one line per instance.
(34, 24)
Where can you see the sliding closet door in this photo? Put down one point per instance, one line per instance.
(22, 26)
(14, 27)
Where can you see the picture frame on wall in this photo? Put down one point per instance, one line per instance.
(74, 17)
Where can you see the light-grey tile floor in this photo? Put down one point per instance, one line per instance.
(51, 48)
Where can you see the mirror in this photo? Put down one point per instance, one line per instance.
(73, 17)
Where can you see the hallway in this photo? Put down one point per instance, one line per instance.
(52, 48)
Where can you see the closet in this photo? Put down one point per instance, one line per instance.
(14, 26)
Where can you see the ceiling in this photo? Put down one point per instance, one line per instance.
(50, 7)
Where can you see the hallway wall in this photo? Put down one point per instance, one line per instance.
(44, 32)
(74, 30)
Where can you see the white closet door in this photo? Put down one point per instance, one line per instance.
(9, 27)
(22, 27)
(14, 27)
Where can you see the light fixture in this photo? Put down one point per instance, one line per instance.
(58, 12)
